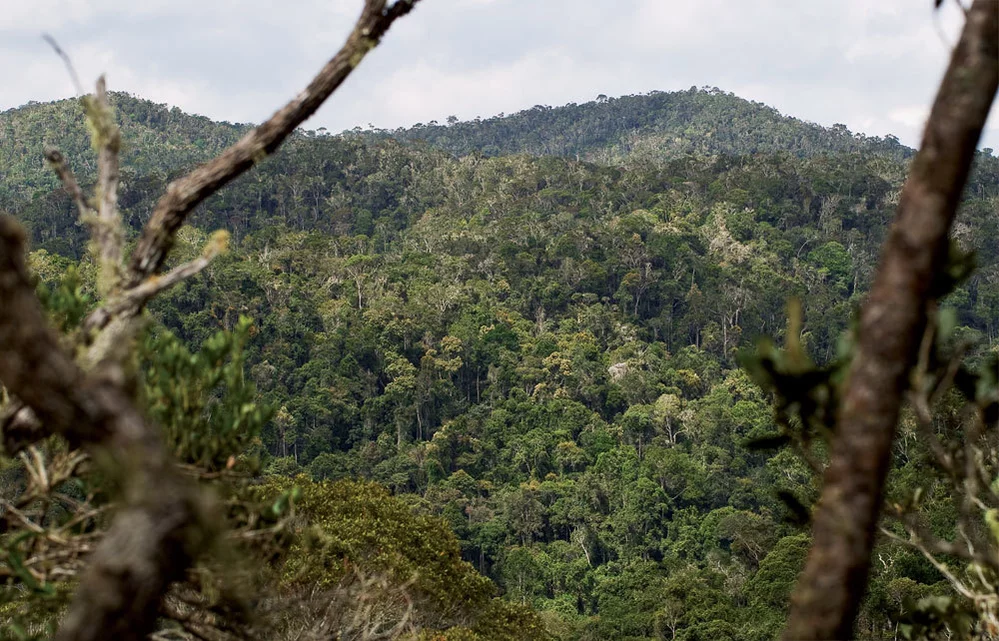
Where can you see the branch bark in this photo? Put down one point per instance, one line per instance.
(107, 232)
(34, 367)
(66, 176)
(131, 302)
(158, 533)
(186, 193)
(160, 530)
(833, 582)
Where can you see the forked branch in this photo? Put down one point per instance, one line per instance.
(184, 194)
(131, 302)
(157, 534)
(159, 531)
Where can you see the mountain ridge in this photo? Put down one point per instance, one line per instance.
(591, 131)
(539, 351)
(656, 124)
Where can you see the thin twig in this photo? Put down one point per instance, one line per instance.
(69, 63)
(57, 161)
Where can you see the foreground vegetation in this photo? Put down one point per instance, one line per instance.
(533, 342)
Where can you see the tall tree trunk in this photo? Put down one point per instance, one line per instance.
(892, 322)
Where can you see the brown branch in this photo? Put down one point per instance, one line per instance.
(833, 582)
(159, 531)
(132, 300)
(60, 166)
(34, 367)
(184, 194)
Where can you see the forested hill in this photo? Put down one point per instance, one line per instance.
(654, 127)
(156, 139)
(542, 351)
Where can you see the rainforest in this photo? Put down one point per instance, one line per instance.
(501, 378)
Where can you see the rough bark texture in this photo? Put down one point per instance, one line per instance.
(833, 582)
(156, 535)
(33, 365)
(106, 228)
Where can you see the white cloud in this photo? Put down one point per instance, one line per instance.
(867, 64)
(913, 117)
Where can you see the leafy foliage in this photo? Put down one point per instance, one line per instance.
(208, 409)
(528, 328)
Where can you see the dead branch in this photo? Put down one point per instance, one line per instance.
(159, 531)
(833, 582)
(106, 228)
(132, 300)
(184, 194)
(60, 166)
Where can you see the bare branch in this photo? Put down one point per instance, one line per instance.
(158, 533)
(160, 530)
(103, 221)
(184, 194)
(832, 584)
(65, 59)
(917, 544)
(106, 227)
(130, 302)
(61, 168)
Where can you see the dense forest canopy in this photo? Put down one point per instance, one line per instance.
(654, 127)
(528, 329)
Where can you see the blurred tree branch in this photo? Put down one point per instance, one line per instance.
(830, 589)
(160, 530)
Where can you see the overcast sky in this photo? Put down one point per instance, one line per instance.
(870, 64)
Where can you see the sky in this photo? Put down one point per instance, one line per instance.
(873, 65)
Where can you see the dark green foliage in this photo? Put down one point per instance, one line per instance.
(655, 126)
(207, 409)
(538, 350)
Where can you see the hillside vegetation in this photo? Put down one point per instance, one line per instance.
(652, 127)
(529, 328)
